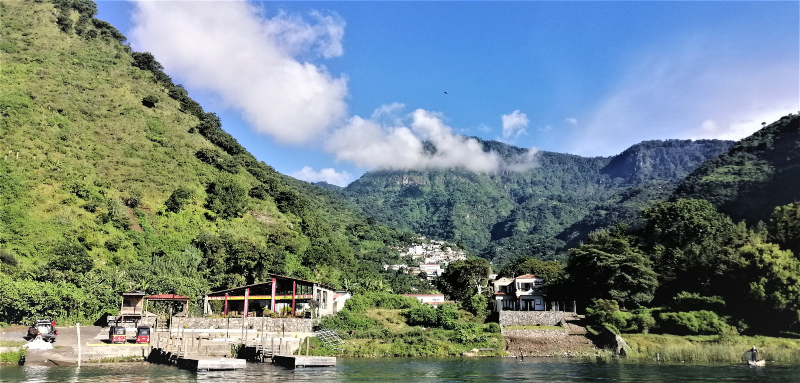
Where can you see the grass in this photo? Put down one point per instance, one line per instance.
(11, 343)
(12, 357)
(392, 336)
(118, 359)
(708, 348)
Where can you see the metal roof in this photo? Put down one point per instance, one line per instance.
(270, 282)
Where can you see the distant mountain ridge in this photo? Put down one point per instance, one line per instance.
(563, 197)
(759, 173)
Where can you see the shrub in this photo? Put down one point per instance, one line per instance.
(361, 302)
(693, 322)
(348, 320)
(8, 258)
(71, 256)
(226, 198)
(693, 302)
(150, 101)
(493, 328)
(178, 199)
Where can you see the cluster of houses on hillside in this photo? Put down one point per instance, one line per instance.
(433, 256)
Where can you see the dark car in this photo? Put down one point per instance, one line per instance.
(43, 329)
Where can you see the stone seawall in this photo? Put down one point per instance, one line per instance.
(535, 333)
(526, 318)
(294, 325)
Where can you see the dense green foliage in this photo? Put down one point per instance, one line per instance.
(759, 173)
(713, 276)
(610, 266)
(381, 324)
(537, 212)
(112, 178)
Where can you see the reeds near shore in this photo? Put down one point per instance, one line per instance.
(675, 349)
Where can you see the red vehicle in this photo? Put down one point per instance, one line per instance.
(116, 334)
(143, 335)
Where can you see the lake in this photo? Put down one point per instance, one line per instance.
(419, 370)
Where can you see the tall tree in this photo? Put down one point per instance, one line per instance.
(463, 279)
(692, 245)
(784, 227)
(770, 278)
(608, 266)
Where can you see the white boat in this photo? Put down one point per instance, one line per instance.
(757, 363)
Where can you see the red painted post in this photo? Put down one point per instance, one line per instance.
(274, 286)
(225, 312)
(294, 291)
(246, 298)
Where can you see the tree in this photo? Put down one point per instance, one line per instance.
(609, 267)
(784, 227)
(178, 199)
(226, 198)
(770, 278)
(463, 279)
(690, 239)
(549, 270)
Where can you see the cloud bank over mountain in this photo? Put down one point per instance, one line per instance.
(262, 66)
(256, 64)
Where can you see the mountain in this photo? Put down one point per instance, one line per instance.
(758, 174)
(558, 201)
(112, 178)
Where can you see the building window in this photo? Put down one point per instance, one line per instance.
(538, 282)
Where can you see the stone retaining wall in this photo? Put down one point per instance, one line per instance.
(294, 325)
(535, 333)
(525, 318)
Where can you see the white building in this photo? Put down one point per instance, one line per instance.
(433, 299)
(524, 293)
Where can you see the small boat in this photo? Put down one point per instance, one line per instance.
(757, 363)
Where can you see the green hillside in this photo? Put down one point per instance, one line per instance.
(112, 178)
(758, 174)
(561, 200)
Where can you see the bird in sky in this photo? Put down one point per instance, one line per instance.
(445, 92)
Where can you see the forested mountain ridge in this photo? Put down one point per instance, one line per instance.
(563, 196)
(758, 174)
(112, 178)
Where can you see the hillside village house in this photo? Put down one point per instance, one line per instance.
(523, 293)
(431, 299)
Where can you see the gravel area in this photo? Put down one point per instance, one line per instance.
(572, 345)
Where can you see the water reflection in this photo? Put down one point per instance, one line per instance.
(416, 370)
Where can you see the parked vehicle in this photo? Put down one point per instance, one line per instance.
(43, 329)
(143, 335)
(116, 334)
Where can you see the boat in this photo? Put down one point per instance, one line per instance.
(757, 363)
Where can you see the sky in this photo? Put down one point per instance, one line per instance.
(325, 91)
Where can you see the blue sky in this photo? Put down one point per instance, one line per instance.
(353, 86)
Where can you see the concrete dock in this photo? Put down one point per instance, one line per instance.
(294, 361)
(195, 362)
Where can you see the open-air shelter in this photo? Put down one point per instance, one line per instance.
(280, 293)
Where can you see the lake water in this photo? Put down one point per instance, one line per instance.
(418, 370)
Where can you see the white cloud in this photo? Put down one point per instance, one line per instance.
(328, 175)
(572, 120)
(370, 144)
(546, 128)
(514, 124)
(525, 161)
(252, 62)
(690, 90)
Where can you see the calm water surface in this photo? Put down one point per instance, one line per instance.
(418, 370)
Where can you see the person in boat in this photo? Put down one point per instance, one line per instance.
(754, 354)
